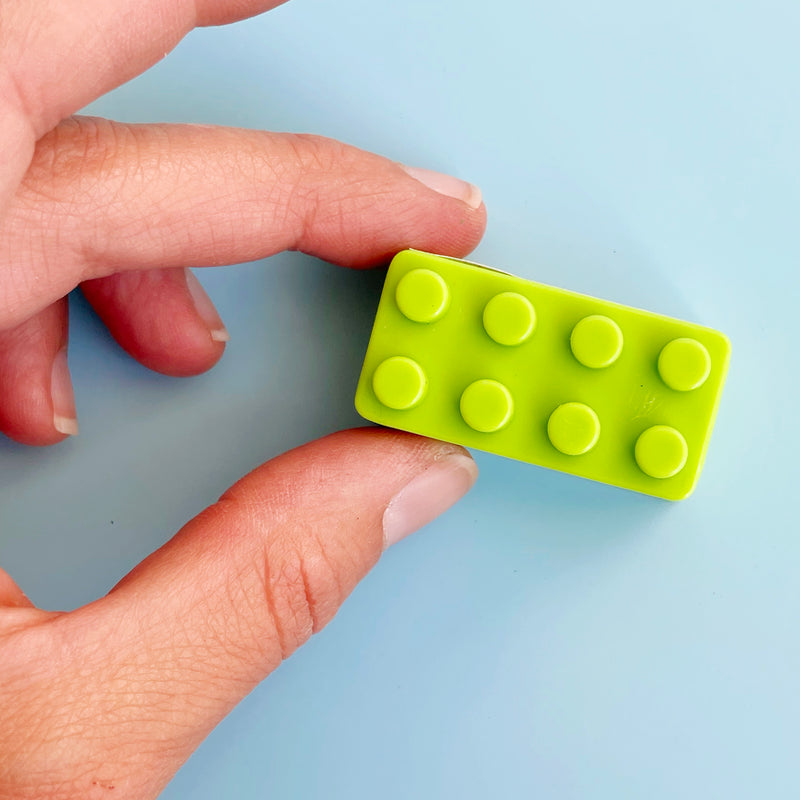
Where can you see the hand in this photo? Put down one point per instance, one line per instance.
(121, 210)
(120, 692)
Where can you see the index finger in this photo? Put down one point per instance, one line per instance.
(59, 55)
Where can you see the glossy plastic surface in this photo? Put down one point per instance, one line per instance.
(488, 360)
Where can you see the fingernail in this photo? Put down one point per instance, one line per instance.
(205, 309)
(64, 418)
(428, 495)
(447, 185)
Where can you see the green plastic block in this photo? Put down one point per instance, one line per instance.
(484, 359)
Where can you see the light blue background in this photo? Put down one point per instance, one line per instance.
(549, 637)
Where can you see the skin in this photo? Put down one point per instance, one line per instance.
(120, 692)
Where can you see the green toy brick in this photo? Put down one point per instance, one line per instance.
(487, 360)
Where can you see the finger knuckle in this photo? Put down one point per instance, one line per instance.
(300, 585)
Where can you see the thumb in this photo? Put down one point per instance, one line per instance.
(283, 548)
(200, 622)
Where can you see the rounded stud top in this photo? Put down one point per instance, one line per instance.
(596, 341)
(573, 429)
(661, 452)
(684, 364)
(399, 383)
(509, 318)
(422, 295)
(486, 406)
